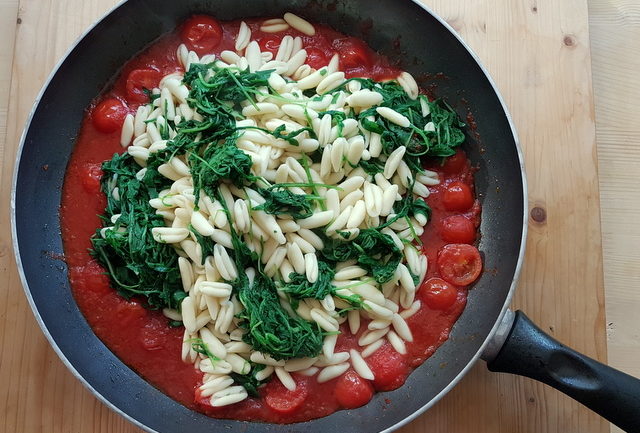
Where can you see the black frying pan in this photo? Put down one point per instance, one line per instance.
(510, 342)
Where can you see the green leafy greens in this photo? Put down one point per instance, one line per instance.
(270, 327)
(446, 132)
(137, 264)
(279, 200)
(140, 266)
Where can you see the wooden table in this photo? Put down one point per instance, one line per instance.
(538, 52)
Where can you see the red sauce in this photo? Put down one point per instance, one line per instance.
(143, 339)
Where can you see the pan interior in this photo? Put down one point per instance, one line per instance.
(403, 31)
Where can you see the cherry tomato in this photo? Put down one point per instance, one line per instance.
(353, 391)
(353, 52)
(139, 80)
(201, 33)
(389, 368)
(91, 175)
(457, 229)
(459, 264)
(108, 115)
(438, 294)
(270, 43)
(281, 400)
(457, 197)
(316, 58)
(456, 163)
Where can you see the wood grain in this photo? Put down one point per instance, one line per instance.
(615, 63)
(613, 24)
(538, 53)
(37, 393)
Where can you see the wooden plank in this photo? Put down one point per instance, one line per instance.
(539, 57)
(538, 54)
(8, 16)
(614, 24)
(38, 394)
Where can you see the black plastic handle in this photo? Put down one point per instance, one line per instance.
(528, 351)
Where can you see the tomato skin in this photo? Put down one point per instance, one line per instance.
(438, 294)
(201, 33)
(108, 115)
(457, 197)
(352, 391)
(139, 80)
(459, 264)
(353, 52)
(91, 178)
(455, 163)
(458, 229)
(283, 401)
(316, 58)
(270, 43)
(389, 368)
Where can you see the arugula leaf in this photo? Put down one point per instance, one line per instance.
(199, 346)
(218, 162)
(375, 251)
(447, 133)
(271, 329)
(372, 166)
(136, 263)
(249, 381)
(225, 85)
(299, 287)
(279, 201)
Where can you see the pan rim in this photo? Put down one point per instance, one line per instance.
(403, 422)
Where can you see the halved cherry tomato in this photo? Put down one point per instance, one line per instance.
(457, 229)
(108, 115)
(281, 400)
(353, 391)
(438, 294)
(457, 197)
(201, 33)
(139, 80)
(316, 58)
(270, 43)
(353, 52)
(459, 264)
(91, 176)
(389, 368)
(455, 163)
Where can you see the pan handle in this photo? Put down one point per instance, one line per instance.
(528, 351)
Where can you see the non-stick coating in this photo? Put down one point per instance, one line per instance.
(403, 31)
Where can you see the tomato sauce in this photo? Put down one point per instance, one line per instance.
(143, 339)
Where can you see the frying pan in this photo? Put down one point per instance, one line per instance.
(507, 340)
